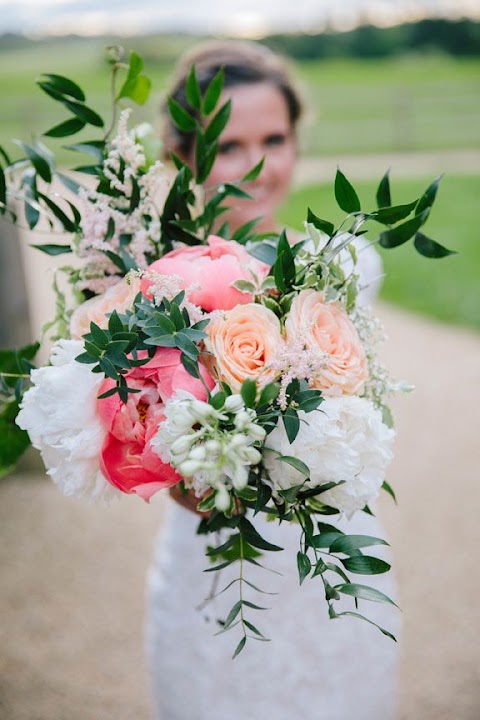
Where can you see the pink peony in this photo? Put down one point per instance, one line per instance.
(211, 270)
(127, 458)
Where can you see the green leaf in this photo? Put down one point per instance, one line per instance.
(383, 195)
(13, 440)
(398, 235)
(304, 566)
(83, 112)
(348, 613)
(192, 89)
(186, 346)
(181, 118)
(291, 423)
(40, 164)
(254, 172)
(365, 565)
(263, 497)
(269, 394)
(137, 89)
(264, 251)
(248, 391)
(218, 123)
(389, 490)
(68, 224)
(233, 614)
(430, 248)
(428, 197)
(213, 92)
(322, 225)
(68, 127)
(254, 538)
(53, 249)
(254, 629)
(239, 647)
(391, 215)
(94, 147)
(296, 463)
(348, 543)
(345, 195)
(325, 539)
(364, 592)
(65, 86)
(308, 400)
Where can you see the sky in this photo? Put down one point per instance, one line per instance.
(235, 17)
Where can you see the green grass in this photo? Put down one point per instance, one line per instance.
(447, 289)
(405, 103)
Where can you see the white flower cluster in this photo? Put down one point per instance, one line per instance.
(210, 448)
(124, 163)
(59, 413)
(346, 442)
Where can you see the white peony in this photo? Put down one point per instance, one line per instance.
(59, 414)
(344, 440)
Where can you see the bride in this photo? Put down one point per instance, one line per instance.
(314, 668)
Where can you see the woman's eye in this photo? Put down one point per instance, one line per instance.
(275, 139)
(227, 147)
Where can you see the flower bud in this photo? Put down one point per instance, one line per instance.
(256, 432)
(238, 441)
(234, 403)
(187, 468)
(242, 419)
(201, 411)
(222, 498)
(197, 453)
(239, 476)
(213, 447)
(181, 446)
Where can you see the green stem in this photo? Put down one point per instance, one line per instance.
(115, 69)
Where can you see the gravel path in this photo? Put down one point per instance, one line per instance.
(71, 599)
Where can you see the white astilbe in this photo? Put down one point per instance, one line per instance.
(344, 441)
(59, 413)
(169, 286)
(98, 209)
(212, 449)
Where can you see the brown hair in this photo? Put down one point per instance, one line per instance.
(243, 63)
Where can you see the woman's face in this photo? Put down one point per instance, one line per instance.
(259, 126)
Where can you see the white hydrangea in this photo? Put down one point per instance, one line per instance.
(210, 448)
(345, 440)
(59, 414)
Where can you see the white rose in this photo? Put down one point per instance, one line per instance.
(59, 413)
(345, 440)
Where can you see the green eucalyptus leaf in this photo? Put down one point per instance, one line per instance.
(388, 488)
(264, 251)
(187, 347)
(95, 148)
(383, 195)
(252, 536)
(430, 248)
(345, 195)
(67, 224)
(348, 613)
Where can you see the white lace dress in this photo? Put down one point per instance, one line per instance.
(313, 668)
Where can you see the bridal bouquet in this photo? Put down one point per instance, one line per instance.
(239, 368)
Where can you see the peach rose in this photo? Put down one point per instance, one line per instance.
(243, 342)
(213, 268)
(119, 297)
(326, 326)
